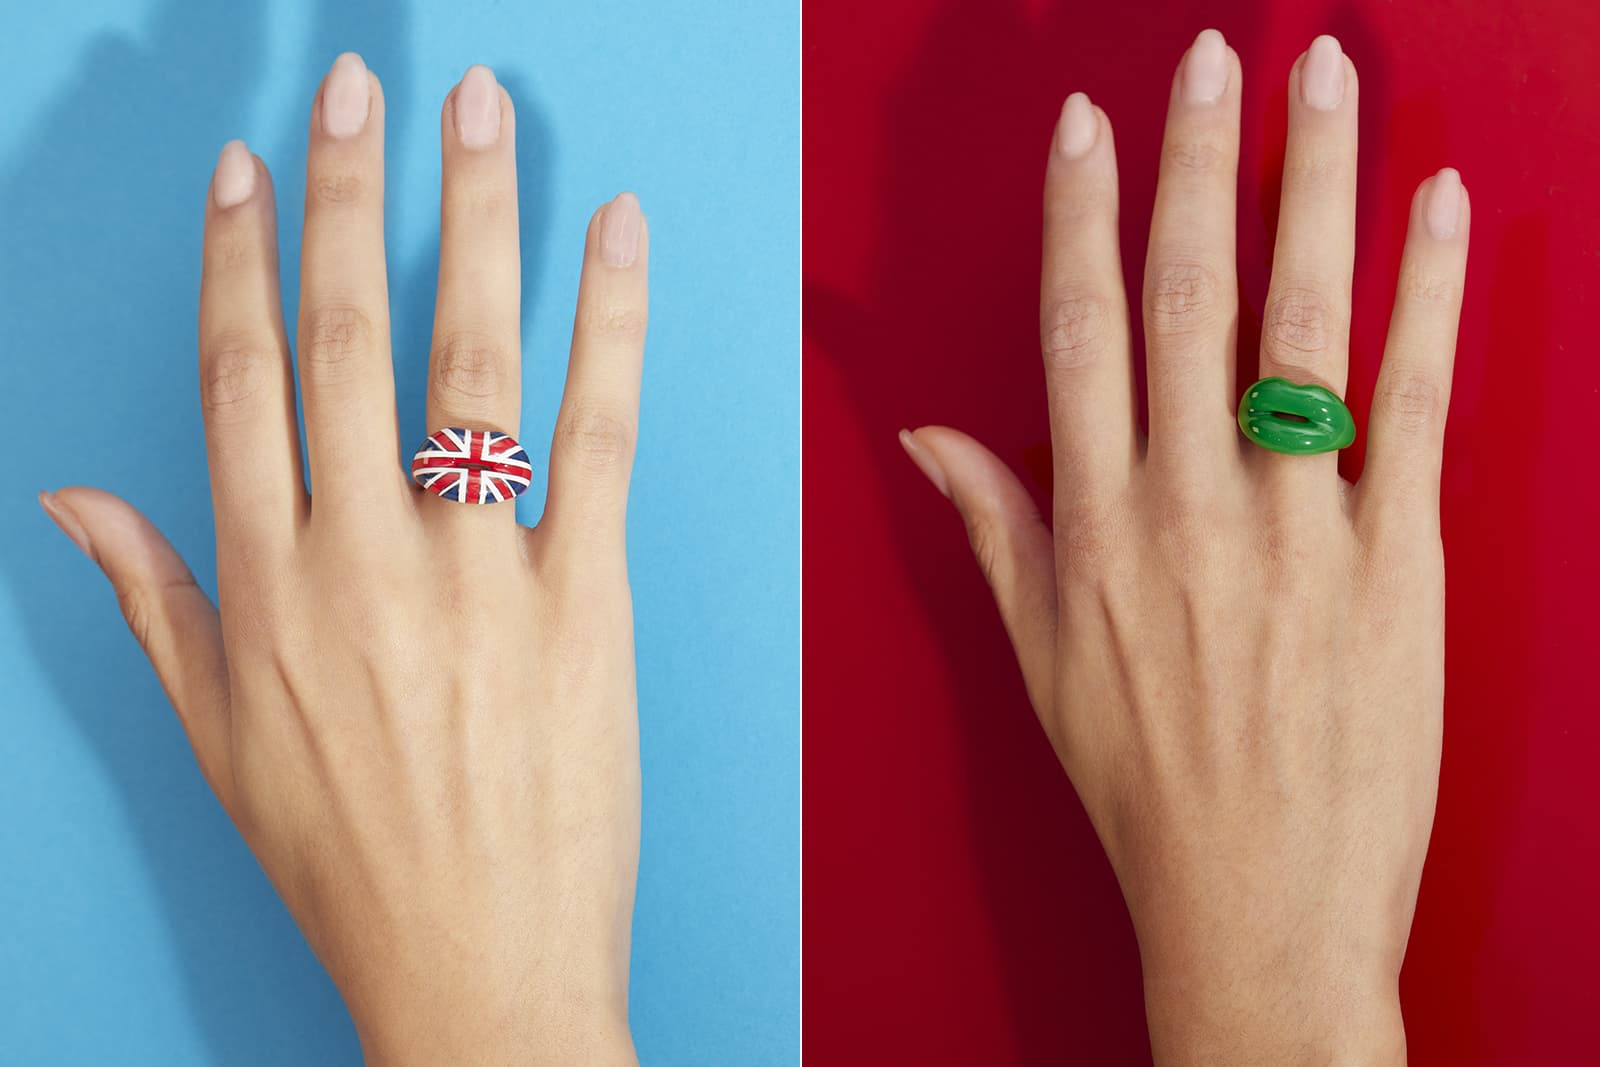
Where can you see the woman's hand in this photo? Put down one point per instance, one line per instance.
(1238, 656)
(420, 715)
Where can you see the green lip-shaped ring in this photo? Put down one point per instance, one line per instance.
(1324, 423)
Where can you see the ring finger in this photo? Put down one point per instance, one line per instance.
(1305, 326)
(475, 364)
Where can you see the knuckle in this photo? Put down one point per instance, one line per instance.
(1400, 552)
(336, 190)
(1086, 537)
(1290, 557)
(1188, 545)
(1086, 200)
(1182, 296)
(487, 202)
(1377, 569)
(615, 322)
(1074, 330)
(1424, 287)
(985, 536)
(1316, 168)
(233, 371)
(597, 438)
(1195, 524)
(1410, 401)
(578, 655)
(1193, 156)
(1188, 520)
(230, 249)
(1296, 322)
(139, 613)
(1380, 564)
(467, 367)
(334, 335)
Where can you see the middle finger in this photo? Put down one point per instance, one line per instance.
(1191, 299)
(346, 376)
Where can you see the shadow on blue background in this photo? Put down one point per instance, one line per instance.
(135, 926)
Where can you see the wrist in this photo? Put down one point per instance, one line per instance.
(598, 1044)
(1323, 1017)
(546, 1030)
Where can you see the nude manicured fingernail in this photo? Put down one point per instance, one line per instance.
(477, 108)
(1205, 69)
(346, 97)
(1078, 128)
(619, 231)
(1442, 212)
(1322, 74)
(235, 178)
(63, 517)
(925, 462)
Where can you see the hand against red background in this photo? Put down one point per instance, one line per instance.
(1237, 655)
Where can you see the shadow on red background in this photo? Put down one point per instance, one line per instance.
(958, 908)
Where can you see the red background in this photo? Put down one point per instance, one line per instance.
(957, 906)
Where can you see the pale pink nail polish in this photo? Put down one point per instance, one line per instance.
(346, 97)
(925, 463)
(235, 178)
(1322, 74)
(477, 108)
(1205, 69)
(619, 231)
(1442, 212)
(1078, 128)
(63, 517)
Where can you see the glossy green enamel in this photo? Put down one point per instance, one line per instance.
(1328, 426)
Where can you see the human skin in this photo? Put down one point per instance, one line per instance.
(1237, 656)
(420, 715)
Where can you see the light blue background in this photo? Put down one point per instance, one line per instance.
(135, 927)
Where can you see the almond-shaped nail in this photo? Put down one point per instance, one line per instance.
(477, 108)
(63, 517)
(1205, 68)
(1078, 128)
(925, 462)
(346, 97)
(1322, 74)
(235, 178)
(619, 231)
(1442, 212)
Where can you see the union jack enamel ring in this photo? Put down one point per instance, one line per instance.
(472, 466)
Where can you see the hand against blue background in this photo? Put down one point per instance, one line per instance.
(420, 714)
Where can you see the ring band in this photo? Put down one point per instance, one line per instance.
(472, 466)
(1298, 420)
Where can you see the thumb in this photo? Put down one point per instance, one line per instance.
(1013, 546)
(171, 617)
